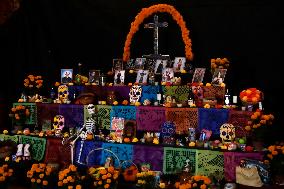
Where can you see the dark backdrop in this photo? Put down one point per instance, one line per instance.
(44, 36)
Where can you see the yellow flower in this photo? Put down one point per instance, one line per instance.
(162, 185)
(223, 85)
(44, 182)
(207, 106)
(208, 85)
(7, 158)
(5, 132)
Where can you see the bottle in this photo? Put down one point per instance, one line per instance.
(159, 96)
(227, 98)
(52, 93)
(190, 99)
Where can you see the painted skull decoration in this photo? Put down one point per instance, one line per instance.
(63, 93)
(227, 133)
(58, 122)
(135, 94)
(168, 132)
(91, 109)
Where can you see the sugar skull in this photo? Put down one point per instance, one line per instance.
(91, 109)
(227, 133)
(58, 122)
(135, 93)
(167, 132)
(63, 93)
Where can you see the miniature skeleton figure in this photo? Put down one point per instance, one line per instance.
(109, 162)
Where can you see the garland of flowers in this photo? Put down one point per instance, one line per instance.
(146, 12)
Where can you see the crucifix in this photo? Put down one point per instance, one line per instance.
(156, 25)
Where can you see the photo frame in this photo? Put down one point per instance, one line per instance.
(142, 76)
(119, 77)
(140, 63)
(179, 64)
(117, 124)
(129, 129)
(160, 65)
(94, 76)
(198, 75)
(168, 75)
(150, 64)
(66, 76)
(218, 76)
(117, 64)
(130, 64)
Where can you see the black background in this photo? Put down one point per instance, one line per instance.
(44, 36)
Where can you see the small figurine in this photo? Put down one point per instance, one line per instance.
(109, 162)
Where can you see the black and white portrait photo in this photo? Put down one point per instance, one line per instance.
(219, 76)
(142, 76)
(160, 65)
(119, 77)
(198, 75)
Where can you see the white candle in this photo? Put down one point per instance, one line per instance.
(235, 99)
(159, 96)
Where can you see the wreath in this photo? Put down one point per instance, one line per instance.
(146, 12)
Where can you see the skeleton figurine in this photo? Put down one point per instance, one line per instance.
(135, 94)
(63, 94)
(227, 133)
(58, 125)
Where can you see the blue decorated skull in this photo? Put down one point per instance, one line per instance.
(167, 132)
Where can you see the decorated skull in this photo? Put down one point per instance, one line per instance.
(91, 109)
(135, 94)
(227, 133)
(63, 93)
(168, 132)
(58, 122)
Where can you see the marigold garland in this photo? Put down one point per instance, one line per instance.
(146, 12)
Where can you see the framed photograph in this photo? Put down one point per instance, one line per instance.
(219, 76)
(119, 76)
(160, 65)
(198, 75)
(142, 76)
(150, 64)
(94, 76)
(117, 64)
(130, 65)
(179, 64)
(66, 76)
(140, 63)
(117, 123)
(167, 75)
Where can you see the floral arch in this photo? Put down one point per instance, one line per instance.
(145, 13)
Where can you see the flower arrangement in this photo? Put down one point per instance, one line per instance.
(257, 124)
(251, 96)
(5, 173)
(104, 177)
(146, 12)
(130, 173)
(146, 180)
(33, 83)
(70, 178)
(40, 175)
(19, 114)
(275, 157)
(220, 63)
(197, 182)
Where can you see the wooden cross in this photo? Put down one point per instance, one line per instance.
(156, 25)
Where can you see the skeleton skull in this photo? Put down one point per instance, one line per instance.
(135, 93)
(91, 109)
(63, 93)
(58, 122)
(227, 133)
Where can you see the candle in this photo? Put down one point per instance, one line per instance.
(159, 96)
(235, 99)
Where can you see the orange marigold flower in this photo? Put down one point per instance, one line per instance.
(103, 171)
(44, 182)
(70, 187)
(203, 186)
(78, 187)
(60, 183)
(274, 153)
(106, 186)
(33, 180)
(38, 181)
